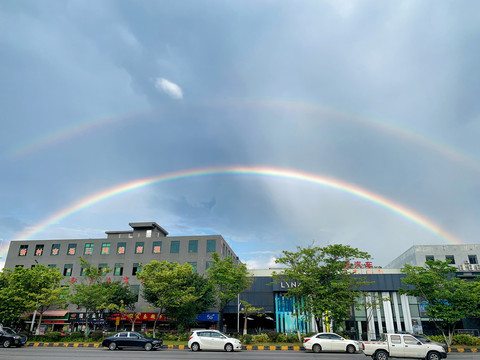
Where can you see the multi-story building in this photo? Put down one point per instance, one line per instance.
(122, 251)
(464, 257)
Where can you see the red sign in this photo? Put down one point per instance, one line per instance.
(139, 317)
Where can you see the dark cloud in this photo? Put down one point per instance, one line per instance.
(397, 83)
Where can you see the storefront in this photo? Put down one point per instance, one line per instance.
(78, 320)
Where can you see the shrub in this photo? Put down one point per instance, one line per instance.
(76, 335)
(292, 338)
(183, 337)
(54, 336)
(272, 335)
(262, 338)
(96, 335)
(247, 339)
(282, 338)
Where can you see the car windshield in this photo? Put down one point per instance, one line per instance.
(9, 331)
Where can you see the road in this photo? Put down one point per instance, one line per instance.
(40, 353)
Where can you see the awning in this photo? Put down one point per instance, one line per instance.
(56, 313)
(51, 313)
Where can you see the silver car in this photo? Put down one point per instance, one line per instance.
(212, 340)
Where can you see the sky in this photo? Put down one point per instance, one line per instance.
(274, 124)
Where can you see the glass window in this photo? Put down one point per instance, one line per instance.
(148, 233)
(72, 249)
(175, 247)
(410, 340)
(38, 250)
(194, 265)
(135, 289)
(193, 246)
(209, 265)
(450, 258)
(83, 270)
(23, 250)
(103, 267)
(157, 247)
(52, 266)
(472, 259)
(55, 249)
(136, 268)
(211, 245)
(88, 249)
(20, 266)
(429, 257)
(118, 270)
(139, 247)
(105, 248)
(68, 270)
(396, 339)
(121, 248)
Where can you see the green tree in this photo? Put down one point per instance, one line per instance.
(91, 294)
(168, 287)
(186, 313)
(46, 291)
(323, 280)
(24, 290)
(228, 279)
(122, 299)
(449, 299)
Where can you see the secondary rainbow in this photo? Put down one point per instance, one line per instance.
(246, 171)
(278, 104)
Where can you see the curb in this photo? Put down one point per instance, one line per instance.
(245, 347)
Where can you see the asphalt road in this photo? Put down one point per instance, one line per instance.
(39, 353)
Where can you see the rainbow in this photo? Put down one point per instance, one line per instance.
(245, 171)
(288, 105)
(68, 132)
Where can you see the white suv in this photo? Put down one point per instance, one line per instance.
(212, 340)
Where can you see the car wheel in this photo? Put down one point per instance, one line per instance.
(229, 347)
(381, 355)
(148, 346)
(195, 347)
(433, 356)
(6, 343)
(350, 349)
(112, 346)
(316, 348)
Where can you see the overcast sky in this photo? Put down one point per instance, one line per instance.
(383, 96)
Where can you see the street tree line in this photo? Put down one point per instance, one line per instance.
(175, 290)
(324, 283)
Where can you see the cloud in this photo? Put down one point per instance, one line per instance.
(262, 263)
(170, 88)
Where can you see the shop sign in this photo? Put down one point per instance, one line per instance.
(80, 318)
(139, 317)
(208, 317)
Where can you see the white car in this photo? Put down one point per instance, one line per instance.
(331, 342)
(212, 340)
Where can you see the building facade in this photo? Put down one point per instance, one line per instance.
(123, 252)
(464, 257)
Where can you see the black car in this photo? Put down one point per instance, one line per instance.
(8, 337)
(131, 339)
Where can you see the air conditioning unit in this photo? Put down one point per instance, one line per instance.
(471, 267)
(461, 267)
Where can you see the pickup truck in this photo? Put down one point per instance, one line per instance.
(402, 346)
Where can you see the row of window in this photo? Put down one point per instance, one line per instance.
(121, 248)
(472, 259)
(118, 269)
